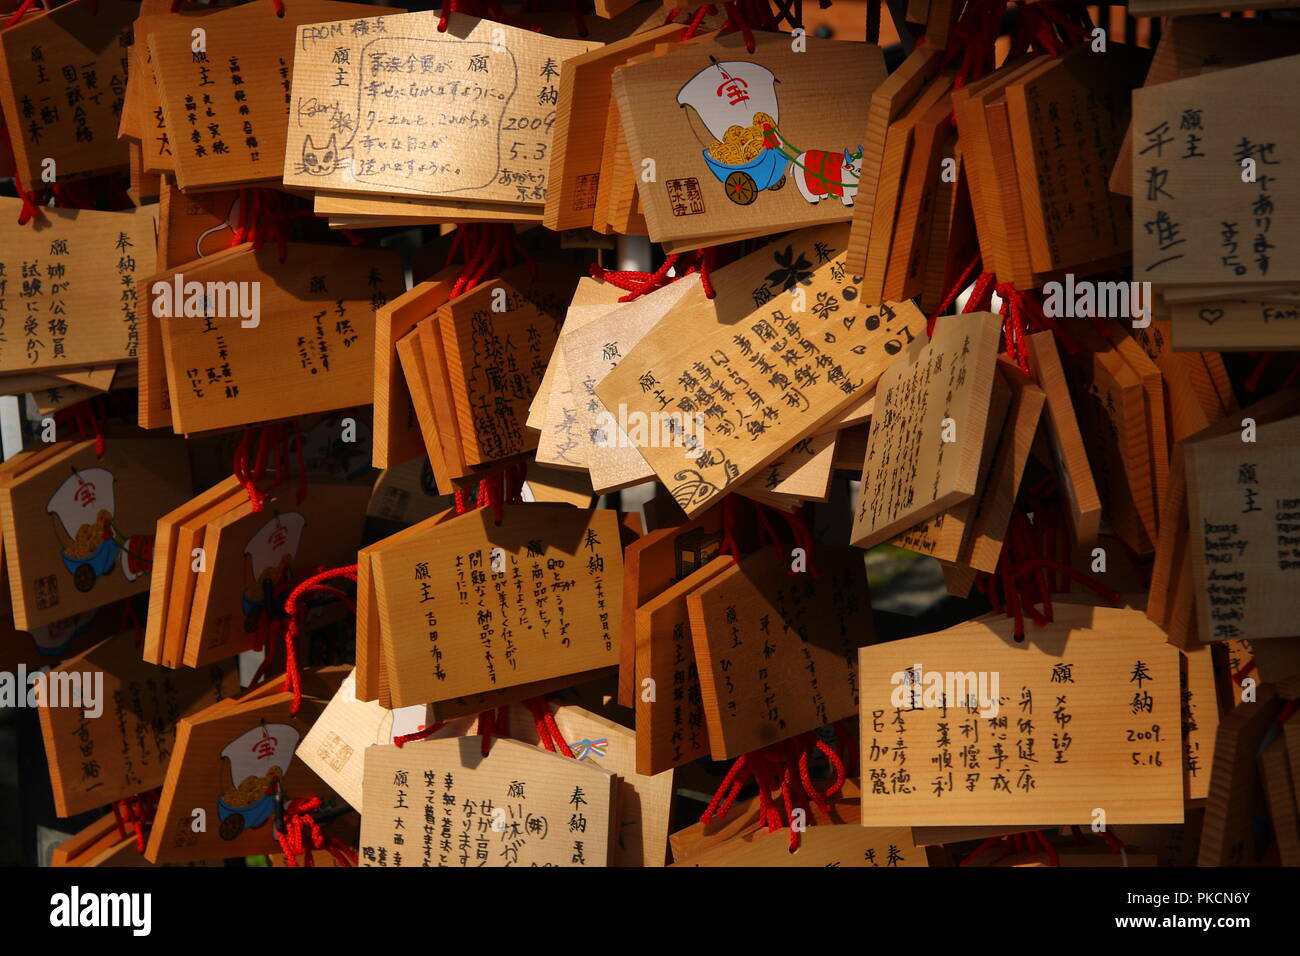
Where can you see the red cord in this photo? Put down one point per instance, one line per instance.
(292, 677)
(548, 731)
(694, 26)
(404, 739)
(952, 293)
(781, 767)
(297, 821)
(19, 13)
(82, 414)
(729, 544)
(736, 20)
(803, 539)
(138, 811)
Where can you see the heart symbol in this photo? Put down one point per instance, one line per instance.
(1210, 316)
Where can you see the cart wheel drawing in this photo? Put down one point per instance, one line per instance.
(776, 185)
(741, 188)
(232, 826)
(83, 579)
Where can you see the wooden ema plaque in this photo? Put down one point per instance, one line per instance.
(1244, 500)
(1196, 218)
(746, 142)
(644, 800)
(70, 278)
(391, 105)
(673, 730)
(65, 73)
(250, 555)
(775, 650)
(742, 384)
(1070, 721)
(467, 606)
(228, 761)
(77, 525)
(94, 762)
(936, 407)
(225, 108)
(310, 348)
(518, 806)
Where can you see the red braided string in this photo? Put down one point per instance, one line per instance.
(548, 731)
(82, 414)
(297, 821)
(694, 26)
(736, 20)
(315, 583)
(729, 544)
(780, 767)
(951, 296)
(403, 739)
(803, 539)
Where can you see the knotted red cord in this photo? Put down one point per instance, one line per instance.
(249, 477)
(485, 249)
(951, 296)
(1019, 582)
(403, 739)
(780, 767)
(315, 583)
(1047, 28)
(548, 731)
(139, 812)
(489, 493)
(973, 40)
(637, 283)
(736, 20)
(693, 27)
(299, 821)
(981, 296)
(1013, 325)
(1021, 313)
(729, 544)
(82, 414)
(803, 539)
(499, 489)
(1016, 844)
(265, 216)
(472, 7)
(19, 13)
(271, 439)
(271, 628)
